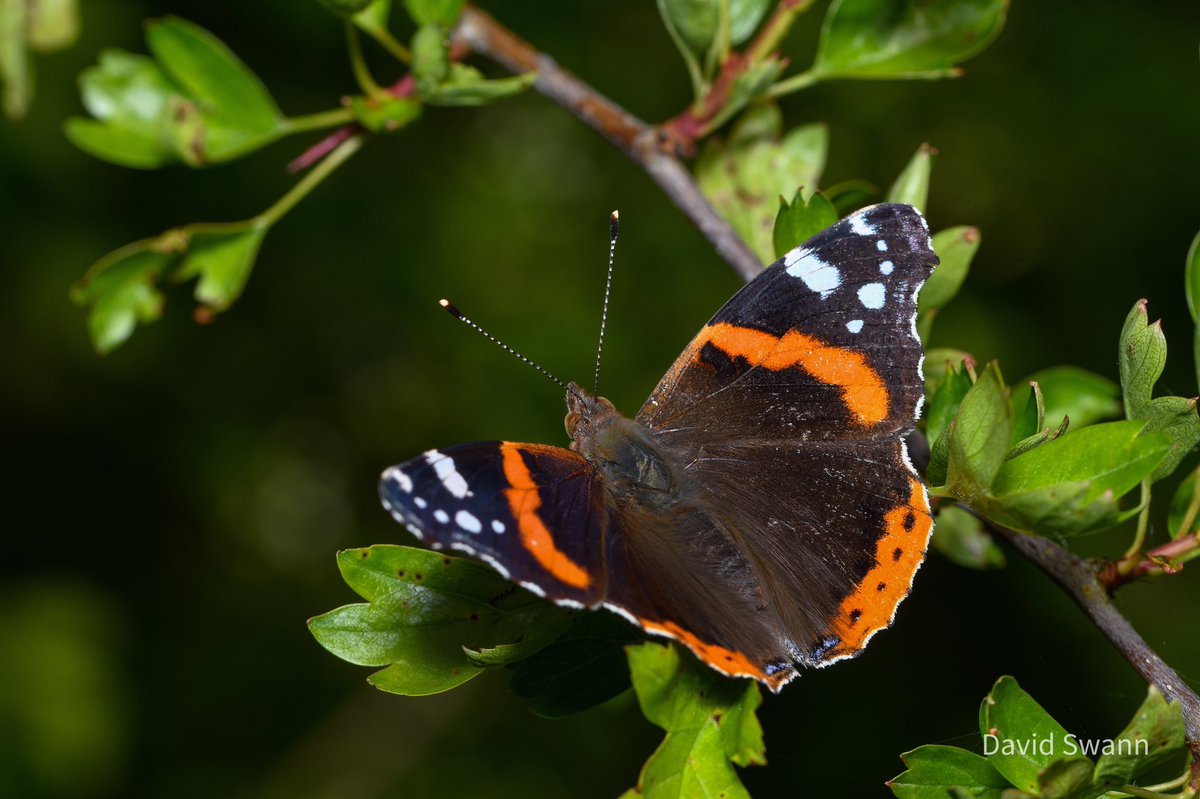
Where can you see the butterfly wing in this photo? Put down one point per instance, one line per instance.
(789, 410)
(532, 512)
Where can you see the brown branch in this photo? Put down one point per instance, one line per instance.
(1080, 579)
(641, 142)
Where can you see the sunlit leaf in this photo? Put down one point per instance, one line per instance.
(912, 185)
(888, 39)
(385, 114)
(434, 12)
(1009, 715)
(1154, 736)
(52, 24)
(1083, 396)
(798, 221)
(955, 247)
(980, 437)
(710, 722)
(930, 771)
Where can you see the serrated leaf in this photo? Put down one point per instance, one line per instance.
(434, 12)
(960, 537)
(744, 176)
(979, 442)
(798, 221)
(955, 248)
(120, 291)
(1015, 730)
(1070, 485)
(1028, 413)
(385, 114)
(1155, 735)
(710, 723)
(239, 114)
(912, 185)
(221, 257)
(931, 771)
(938, 361)
(1083, 396)
(422, 609)
(945, 399)
(583, 666)
(1143, 355)
(884, 39)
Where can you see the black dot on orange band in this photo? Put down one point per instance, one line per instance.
(910, 519)
(896, 553)
(881, 586)
(855, 615)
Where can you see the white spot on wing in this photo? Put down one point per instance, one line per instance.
(452, 481)
(854, 325)
(467, 521)
(886, 267)
(441, 515)
(394, 474)
(881, 245)
(858, 223)
(420, 503)
(816, 274)
(872, 296)
(498, 525)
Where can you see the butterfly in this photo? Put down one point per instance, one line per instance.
(760, 507)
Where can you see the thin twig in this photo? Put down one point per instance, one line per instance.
(1080, 579)
(630, 135)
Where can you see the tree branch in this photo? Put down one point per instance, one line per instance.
(630, 135)
(1080, 579)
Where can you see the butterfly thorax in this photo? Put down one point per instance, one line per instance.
(619, 447)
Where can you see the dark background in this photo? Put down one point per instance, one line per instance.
(171, 512)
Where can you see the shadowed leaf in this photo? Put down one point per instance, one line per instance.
(931, 771)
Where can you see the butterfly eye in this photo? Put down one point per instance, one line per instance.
(573, 421)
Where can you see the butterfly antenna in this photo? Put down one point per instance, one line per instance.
(614, 227)
(457, 314)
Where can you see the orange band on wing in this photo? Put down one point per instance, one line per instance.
(524, 501)
(898, 555)
(723, 660)
(863, 390)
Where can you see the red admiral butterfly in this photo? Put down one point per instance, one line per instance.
(761, 507)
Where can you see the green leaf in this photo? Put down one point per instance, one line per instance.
(850, 195)
(1028, 416)
(744, 16)
(1082, 396)
(1143, 355)
(748, 85)
(955, 248)
(979, 442)
(582, 667)
(373, 19)
(52, 25)
(912, 185)
(709, 720)
(129, 96)
(434, 12)
(422, 610)
(799, 221)
(960, 537)
(945, 399)
(16, 66)
(1154, 736)
(1016, 730)
(1191, 278)
(466, 85)
(120, 290)
(694, 21)
(745, 176)
(1070, 485)
(885, 39)
(938, 361)
(1181, 505)
(239, 114)
(430, 57)
(385, 114)
(1068, 779)
(221, 256)
(932, 770)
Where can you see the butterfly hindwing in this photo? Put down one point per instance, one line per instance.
(531, 511)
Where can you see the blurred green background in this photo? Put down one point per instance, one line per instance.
(171, 512)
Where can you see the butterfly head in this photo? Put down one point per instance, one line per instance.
(586, 414)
